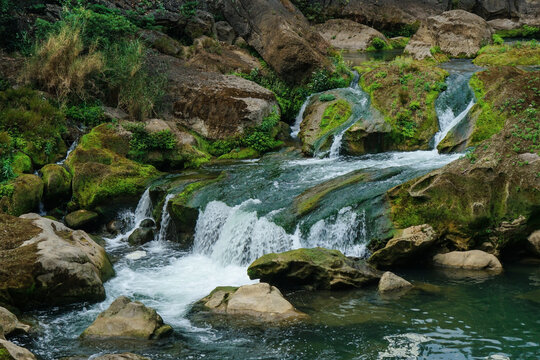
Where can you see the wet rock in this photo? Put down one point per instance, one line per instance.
(225, 32)
(261, 302)
(114, 227)
(81, 219)
(390, 282)
(456, 33)
(26, 196)
(141, 236)
(57, 182)
(147, 223)
(127, 319)
(280, 34)
(469, 260)
(45, 263)
(534, 240)
(161, 42)
(366, 137)
(315, 268)
(348, 35)
(136, 255)
(10, 351)
(10, 324)
(405, 248)
(124, 356)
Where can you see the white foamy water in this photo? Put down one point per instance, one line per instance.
(165, 219)
(295, 129)
(448, 121)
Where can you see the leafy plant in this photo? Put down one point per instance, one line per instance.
(142, 141)
(327, 97)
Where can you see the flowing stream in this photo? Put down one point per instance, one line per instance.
(251, 213)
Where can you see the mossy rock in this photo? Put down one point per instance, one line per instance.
(316, 268)
(24, 195)
(57, 184)
(102, 173)
(239, 154)
(524, 53)
(22, 164)
(81, 219)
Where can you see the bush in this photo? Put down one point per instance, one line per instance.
(378, 44)
(142, 141)
(497, 39)
(87, 115)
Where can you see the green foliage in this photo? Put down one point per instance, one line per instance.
(435, 50)
(378, 44)
(497, 39)
(406, 30)
(334, 115)
(142, 141)
(327, 97)
(490, 122)
(88, 115)
(518, 53)
(525, 31)
(189, 8)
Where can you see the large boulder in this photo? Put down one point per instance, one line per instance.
(24, 196)
(10, 351)
(534, 241)
(348, 35)
(261, 302)
(468, 260)
(457, 33)
(127, 319)
(405, 248)
(81, 219)
(42, 262)
(280, 34)
(390, 282)
(214, 105)
(225, 32)
(367, 136)
(57, 182)
(10, 324)
(316, 268)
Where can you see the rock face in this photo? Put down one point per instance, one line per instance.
(9, 323)
(225, 32)
(127, 319)
(81, 219)
(534, 240)
(280, 34)
(43, 262)
(214, 105)
(469, 260)
(405, 248)
(261, 302)
(316, 268)
(10, 351)
(391, 282)
(456, 32)
(348, 35)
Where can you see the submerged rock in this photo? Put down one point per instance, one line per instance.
(127, 319)
(261, 302)
(390, 282)
(81, 219)
(469, 260)
(10, 351)
(456, 33)
(349, 35)
(46, 263)
(316, 268)
(405, 248)
(10, 324)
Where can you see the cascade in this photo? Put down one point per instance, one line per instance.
(165, 219)
(70, 150)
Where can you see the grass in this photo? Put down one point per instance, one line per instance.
(489, 121)
(334, 115)
(519, 53)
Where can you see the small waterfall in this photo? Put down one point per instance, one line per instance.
(165, 219)
(144, 208)
(447, 121)
(71, 148)
(295, 129)
(233, 235)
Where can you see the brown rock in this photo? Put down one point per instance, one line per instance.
(391, 282)
(534, 240)
(14, 352)
(9, 323)
(469, 260)
(348, 35)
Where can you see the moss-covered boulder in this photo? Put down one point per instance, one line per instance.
(407, 247)
(258, 302)
(81, 219)
(21, 195)
(497, 181)
(127, 319)
(404, 91)
(101, 171)
(316, 268)
(21, 164)
(57, 182)
(44, 263)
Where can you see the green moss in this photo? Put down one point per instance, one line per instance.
(399, 42)
(378, 44)
(489, 121)
(21, 164)
(524, 31)
(26, 193)
(527, 53)
(335, 115)
(244, 153)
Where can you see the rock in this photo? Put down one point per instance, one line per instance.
(503, 24)
(367, 137)
(316, 268)
(348, 35)
(10, 324)
(161, 42)
(225, 32)
(469, 260)
(127, 319)
(405, 248)
(534, 240)
(147, 223)
(201, 100)
(114, 113)
(45, 263)
(10, 351)
(261, 302)
(21, 164)
(201, 23)
(26, 195)
(124, 356)
(114, 227)
(57, 182)
(81, 219)
(391, 282)
(141, 236)
(457, 33)
(280, 34)
(136, 255)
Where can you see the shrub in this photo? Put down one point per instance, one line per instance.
(87, 115)
(142, 141)
(378, 44)
(61, 64)
(497, 39)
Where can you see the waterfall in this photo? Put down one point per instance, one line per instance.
(144, 208)
(165, 219)
(295, 129)
(70, 150)
(233, 235)
(447, 121)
